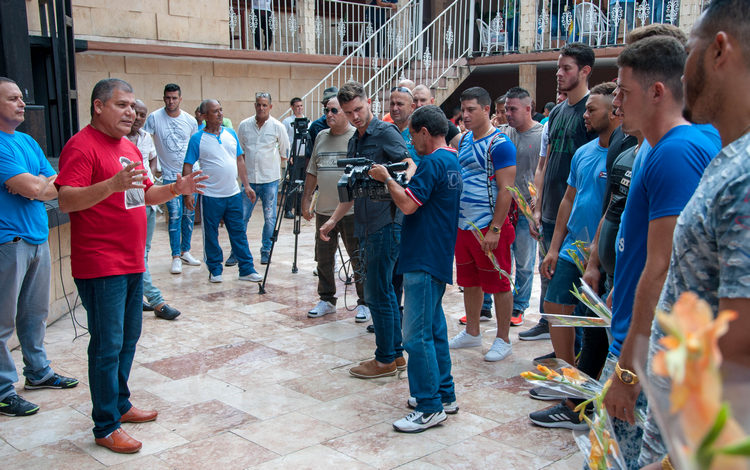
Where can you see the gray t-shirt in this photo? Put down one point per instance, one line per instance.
(711, 245)
(171, 137)
(328, 149)
(527, 145)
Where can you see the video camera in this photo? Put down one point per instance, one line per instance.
(300, 126)
(356, 182)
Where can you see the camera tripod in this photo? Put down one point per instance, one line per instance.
(293, 184)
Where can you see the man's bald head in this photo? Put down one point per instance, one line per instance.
(406, 83)
(422, 96)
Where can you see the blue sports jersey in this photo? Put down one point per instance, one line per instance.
(472, 158)
(664, 182)
(428, 238)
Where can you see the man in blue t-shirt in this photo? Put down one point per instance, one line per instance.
(650, 100)
(577, 220)
(221, 158)
(430, 204)
(26, 179)
(487, 158)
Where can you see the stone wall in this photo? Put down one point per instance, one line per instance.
(177, 22)
(234, 83)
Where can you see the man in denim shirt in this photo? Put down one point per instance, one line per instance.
(377, 224)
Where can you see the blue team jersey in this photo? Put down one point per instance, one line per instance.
(472, 158)
(588, 174)
(22, 217)
(661, 186)
(428, 237)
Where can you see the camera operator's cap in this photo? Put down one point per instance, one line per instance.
(329, 93)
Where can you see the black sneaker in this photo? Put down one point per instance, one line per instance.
(231, 261)
(147, 307)
(56, 381)
(545, 394)
(539, 331)
(543, 359)
(14, 405)
(558, 416)
(371, 328)
(167, 312)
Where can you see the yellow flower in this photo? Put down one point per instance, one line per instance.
(549, 373)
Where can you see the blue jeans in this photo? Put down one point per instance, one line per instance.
(114, 311)
(213, 209)
(24, 305)
(152, 293)
(426, 341)
(548, 230)
(181, 220)
(524, 253)
(380, 250)
(267, 193)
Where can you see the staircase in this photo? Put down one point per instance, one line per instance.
(435, 56)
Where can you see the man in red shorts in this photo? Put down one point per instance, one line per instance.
(488, 164)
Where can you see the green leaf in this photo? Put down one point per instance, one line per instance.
(738, 448)
(705, 454)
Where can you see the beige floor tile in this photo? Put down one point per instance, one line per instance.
(247, 376)
(355, 412)
(336, 331)
(460, 426)
(226, 451)
(269, 400)
(6, 449)
(382, 447)
(288, 433)
(480, 452)
(194, 389)
(203, 420)
(519, 433)
(313, 458)
(148, 462)
(496, 405)
(42, 428)
(61, 455)
(330, 385)
(573, 462)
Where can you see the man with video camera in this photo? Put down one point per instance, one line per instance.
(377, 224)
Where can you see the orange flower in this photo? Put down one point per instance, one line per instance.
(532, 189)
(549, 373)
(573, 375)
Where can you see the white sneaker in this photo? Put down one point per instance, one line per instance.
(498, 351)
(188, 258)
(417, 421)
(252, 277)
(323, 308)
(217, 278)
(176, 266)
(363, 314)
(449, 408)
(464, 340)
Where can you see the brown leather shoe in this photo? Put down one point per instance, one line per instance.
(372, 369)
(134, 415)
(401, 364)
(119, 442)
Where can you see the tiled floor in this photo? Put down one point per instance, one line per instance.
(243, 380)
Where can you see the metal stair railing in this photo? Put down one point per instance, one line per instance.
(362, 62)
(440, 47)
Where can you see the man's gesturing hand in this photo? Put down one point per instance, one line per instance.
(127, 178)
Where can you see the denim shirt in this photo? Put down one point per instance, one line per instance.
(381, 143)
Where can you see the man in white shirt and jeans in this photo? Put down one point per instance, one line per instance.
(266, 144)
(171, 129)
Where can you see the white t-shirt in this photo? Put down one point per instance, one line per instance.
(217, 155)
(264, 149)
(171, 136)
(145, 145)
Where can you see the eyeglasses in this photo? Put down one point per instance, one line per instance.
(262, 94)
(332, 110)
(401, 89)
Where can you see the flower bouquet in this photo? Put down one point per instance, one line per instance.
(480, 238)
(525, 209)
(702, 414)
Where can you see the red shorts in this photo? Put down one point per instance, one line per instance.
(473, 266)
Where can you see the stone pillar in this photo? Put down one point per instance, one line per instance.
(527, 26)
(306, 15)
(527, 78)
(689, 12)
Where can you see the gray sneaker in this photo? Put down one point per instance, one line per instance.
(416, 421)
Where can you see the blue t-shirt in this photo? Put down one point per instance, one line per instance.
(588, 174)
(661, 187)
(472, 158)
(22, 217)
(409, 146)
(428, 238)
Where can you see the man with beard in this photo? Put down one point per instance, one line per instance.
(711, 241)
(650, 99)
(567, 133)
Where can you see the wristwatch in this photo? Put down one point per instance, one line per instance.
(495, 229)
(628, 377)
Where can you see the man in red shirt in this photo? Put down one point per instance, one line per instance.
(103, 185)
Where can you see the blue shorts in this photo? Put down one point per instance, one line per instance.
(566, 276)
